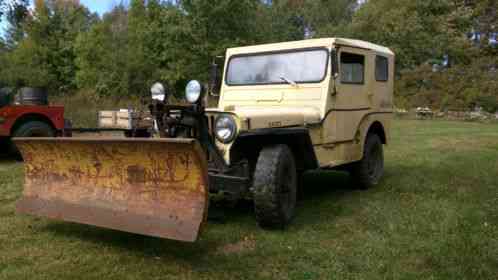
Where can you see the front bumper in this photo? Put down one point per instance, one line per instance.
(232, 185)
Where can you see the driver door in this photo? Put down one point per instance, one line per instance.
(353, 98)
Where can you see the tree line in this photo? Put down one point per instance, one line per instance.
(445, 52)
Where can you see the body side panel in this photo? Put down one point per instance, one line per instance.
(335, 153)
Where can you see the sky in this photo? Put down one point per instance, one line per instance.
(98, 6)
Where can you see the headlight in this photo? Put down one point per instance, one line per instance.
(225, 129)
(193, 91)
(158, 92)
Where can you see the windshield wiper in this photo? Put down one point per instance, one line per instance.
(289, 81)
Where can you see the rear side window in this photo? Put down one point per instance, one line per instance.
(381, 69)
(352, 68)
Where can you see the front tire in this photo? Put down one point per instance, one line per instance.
(275, 187)
(369, 170)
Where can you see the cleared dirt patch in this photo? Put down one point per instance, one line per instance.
(245, 245)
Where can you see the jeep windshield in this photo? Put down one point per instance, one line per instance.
(297, 66)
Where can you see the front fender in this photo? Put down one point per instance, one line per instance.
(249, 143)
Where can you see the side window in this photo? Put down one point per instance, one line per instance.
(381, 69)
(352, 68)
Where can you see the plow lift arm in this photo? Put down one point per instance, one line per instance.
(187, 121)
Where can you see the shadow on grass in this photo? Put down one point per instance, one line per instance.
(315, 185)
(319, 183)
(321, 198)
(319, 186)
(138, 244)
(8, 161)
(6, 158)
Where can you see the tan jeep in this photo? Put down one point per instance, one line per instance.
(283, 109)
(300, 106)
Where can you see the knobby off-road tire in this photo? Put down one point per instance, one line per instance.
(31, 129)
(368, 172)
(275, 187)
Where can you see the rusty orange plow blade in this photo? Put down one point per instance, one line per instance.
(156, 187)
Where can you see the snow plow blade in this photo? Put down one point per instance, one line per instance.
(155, 187)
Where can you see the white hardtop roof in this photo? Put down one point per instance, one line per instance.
(323, 42)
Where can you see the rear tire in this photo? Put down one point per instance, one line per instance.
(275, 187)
(31, 129)
(369, 170)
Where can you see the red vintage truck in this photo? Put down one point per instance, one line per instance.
(27, 114)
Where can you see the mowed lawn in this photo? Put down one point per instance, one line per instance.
(434, 216)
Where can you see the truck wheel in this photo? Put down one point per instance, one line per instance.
(368, 172)
(31, 129)
(275, 187)
(34, 129)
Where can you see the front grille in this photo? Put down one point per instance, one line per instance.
(211, 125)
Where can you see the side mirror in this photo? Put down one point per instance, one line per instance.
(335, 63)
(214, 79)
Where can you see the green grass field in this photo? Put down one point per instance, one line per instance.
(435, 216)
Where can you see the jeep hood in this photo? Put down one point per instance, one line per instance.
(266, 117)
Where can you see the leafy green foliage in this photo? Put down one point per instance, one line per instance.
(417, 30)
(130, 49)
(461, 87)
(214, 26)
(101, 54)
(45, 57)
(421, 33)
